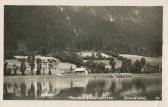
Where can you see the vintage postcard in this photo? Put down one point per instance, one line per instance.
(83, 52)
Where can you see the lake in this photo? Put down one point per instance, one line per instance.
(82, 88)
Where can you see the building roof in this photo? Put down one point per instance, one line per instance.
(41, 57)
(80, 69)
(45, 58)
(108, 66)
(21, 57)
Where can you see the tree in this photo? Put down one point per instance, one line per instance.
(49, 67)
(78, 62)
(99, 56)
(39, 67)
(23, 67)
(138, 66)
(5, 68)
(129, 65)
(15, 69)
(91, 65)
(124, 66)
(100, 68)
(71, 69)
(31, 60)
(143, 61)
(112, 63)
(93, 56)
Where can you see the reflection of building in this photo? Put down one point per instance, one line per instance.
(80, 83)
(43, 87)
(63, 87)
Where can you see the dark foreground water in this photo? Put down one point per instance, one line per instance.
(65, 88)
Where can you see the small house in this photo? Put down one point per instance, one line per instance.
(47, 59)
(82, 71)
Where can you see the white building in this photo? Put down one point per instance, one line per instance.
(21, 57)
(46, 59)
(82, 71)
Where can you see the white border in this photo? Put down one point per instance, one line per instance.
(42, 103)
(86, 2)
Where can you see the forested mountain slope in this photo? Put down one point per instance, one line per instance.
(135, 30)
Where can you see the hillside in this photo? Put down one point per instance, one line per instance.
(132, 30)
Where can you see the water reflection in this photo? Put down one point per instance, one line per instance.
(23, 89)
(39, 88)
(62, 88)
(96, 88)
(31, 91)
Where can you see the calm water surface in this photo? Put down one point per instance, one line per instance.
(61, 88)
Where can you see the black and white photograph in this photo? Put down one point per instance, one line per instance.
(82, 53)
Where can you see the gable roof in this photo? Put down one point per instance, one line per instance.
(45, 58)
(80, 69)
(21, 57)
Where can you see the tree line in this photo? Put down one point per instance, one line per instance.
(31, 63)
(139, 66)
(127, 66)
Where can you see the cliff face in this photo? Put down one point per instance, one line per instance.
(121, 29)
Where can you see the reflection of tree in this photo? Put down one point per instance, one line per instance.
(23, 67)
(39, 88)
(50, 87)
(31, 92)
(65, 93)
(113, 87)
(15, 87)
(140, 85)
(5, 68)
(117, 93)
(114, 91)
(5, 91)
(117, 88)
(126, 84)
(95, 88)
(23, 89)
(71, 83)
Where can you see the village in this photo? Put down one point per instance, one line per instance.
(80, 63)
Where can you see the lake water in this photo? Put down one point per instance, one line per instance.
(69, 88)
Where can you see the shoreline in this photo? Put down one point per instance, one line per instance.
(104, 75)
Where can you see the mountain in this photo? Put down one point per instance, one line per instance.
(122, 29)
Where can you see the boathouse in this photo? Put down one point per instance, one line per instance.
(82, 71)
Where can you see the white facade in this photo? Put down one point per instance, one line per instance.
(82, 71)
